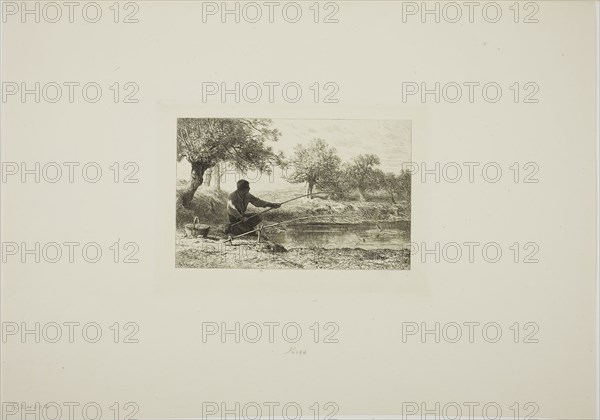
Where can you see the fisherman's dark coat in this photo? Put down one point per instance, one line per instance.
(237, 204)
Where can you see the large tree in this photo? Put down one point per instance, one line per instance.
(315, 164)
(362, 173)
(205, 142)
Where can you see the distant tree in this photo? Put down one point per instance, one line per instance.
(404, 188)
(315, 164)
(204, 142)
(212, 176)
(337, 183)
(362, 174)
(217, 176)
(208, 177)
(390, 182)
(396, 185)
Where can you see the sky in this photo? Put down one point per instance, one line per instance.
(389, 139)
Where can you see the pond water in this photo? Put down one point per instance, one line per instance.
(367, 235)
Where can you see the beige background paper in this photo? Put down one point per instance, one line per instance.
(170, 372)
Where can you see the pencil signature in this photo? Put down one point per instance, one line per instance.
(294, 350)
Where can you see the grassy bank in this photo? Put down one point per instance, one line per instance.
(208, 205)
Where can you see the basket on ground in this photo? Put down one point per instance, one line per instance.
(196, 229)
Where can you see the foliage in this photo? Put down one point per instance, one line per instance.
(315, 164)
(337, 183)
(213, 140)
(361, 173)
(404, 186)
(205, 142)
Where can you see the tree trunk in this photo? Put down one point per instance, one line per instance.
(208, 177)
(196, 179)
(217, 177)
(361, 194)
(309, 191)
(392, 197)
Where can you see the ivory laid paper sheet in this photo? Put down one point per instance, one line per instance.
(299, 210)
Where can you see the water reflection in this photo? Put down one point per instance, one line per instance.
(370, 235)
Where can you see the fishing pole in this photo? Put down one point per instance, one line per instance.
(277, 224)
(280, 204)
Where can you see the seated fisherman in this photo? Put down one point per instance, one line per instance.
(236, 209)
